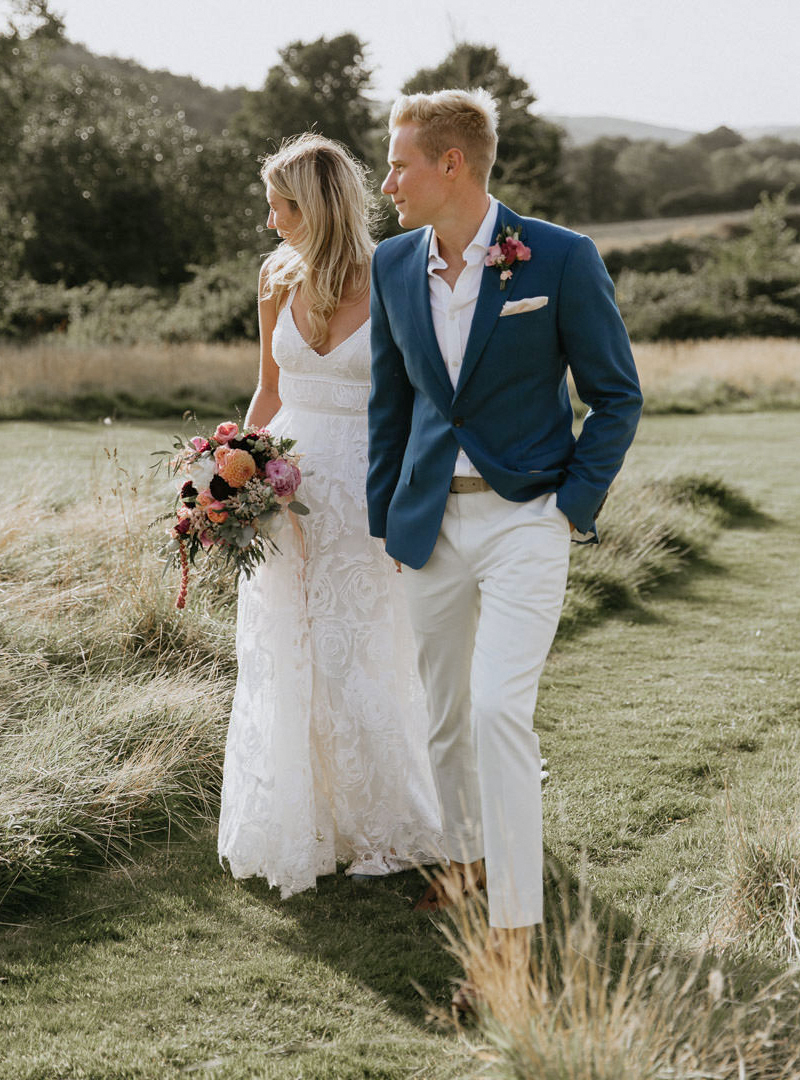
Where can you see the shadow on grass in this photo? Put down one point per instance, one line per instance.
(612, 597)
(369, 933)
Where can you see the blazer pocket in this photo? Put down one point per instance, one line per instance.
(523, 306)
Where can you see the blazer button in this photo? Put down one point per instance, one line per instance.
(458, 421)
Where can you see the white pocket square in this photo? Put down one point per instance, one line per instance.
(528, 303)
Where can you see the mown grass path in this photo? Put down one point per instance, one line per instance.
(170, 970)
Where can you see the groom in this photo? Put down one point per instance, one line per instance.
(475, 479)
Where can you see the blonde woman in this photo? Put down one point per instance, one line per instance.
(325, 759)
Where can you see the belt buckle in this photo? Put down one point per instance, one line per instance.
(464, 485)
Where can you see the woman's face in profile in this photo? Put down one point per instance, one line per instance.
(284, 217)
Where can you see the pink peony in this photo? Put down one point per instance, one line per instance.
(200, 444)
(236, 467)
(225, 432)
(283, 476)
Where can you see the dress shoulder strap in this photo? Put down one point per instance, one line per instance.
(288, 300)
(292, 294)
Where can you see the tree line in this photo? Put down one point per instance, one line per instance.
(104, 176)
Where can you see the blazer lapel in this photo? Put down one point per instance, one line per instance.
(490, 301)
(416, 279)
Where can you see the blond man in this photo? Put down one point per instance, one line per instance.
(476, 481)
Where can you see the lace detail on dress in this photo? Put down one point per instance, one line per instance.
(322, 395)
(326, 756)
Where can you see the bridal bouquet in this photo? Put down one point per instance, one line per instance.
(231, 485)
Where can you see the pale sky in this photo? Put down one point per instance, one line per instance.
(685, 63)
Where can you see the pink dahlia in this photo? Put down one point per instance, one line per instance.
(236, 467)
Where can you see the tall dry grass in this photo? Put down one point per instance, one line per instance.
(761, 899)
(113, 704)
(50, 379)
(650, 531)
(698, 376)
(600, 1002)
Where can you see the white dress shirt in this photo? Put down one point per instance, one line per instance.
(453, 309)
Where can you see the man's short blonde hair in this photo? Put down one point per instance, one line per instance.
(466, 119)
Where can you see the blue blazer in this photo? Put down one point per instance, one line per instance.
(510, 410)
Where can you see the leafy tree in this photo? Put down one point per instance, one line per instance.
(613, 179)
(766, 260)
(721, 138)
(25, 45)
(649, 170)
(205, 108)
(526, 174)
(320, 84)
(597, 190)
(101, 182)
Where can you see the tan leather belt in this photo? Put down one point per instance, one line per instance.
(463, 485)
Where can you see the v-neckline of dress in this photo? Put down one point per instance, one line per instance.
(311, 348)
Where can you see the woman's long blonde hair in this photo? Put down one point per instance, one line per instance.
(331, 250)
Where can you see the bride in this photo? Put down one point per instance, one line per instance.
(326, 754)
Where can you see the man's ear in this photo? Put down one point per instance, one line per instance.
(452, 162)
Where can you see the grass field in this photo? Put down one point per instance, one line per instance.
(670, 729)
(670, 723)
(51, 380)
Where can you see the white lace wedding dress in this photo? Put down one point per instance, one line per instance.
(326, 757)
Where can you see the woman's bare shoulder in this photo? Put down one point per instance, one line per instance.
(270, 301)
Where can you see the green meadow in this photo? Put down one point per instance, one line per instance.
(668, 713)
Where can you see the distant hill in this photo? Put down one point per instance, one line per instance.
(585, 129)
(206, 108)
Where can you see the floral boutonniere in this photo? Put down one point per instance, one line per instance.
(505, 251)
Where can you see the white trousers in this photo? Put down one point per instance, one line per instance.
(485, 608)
